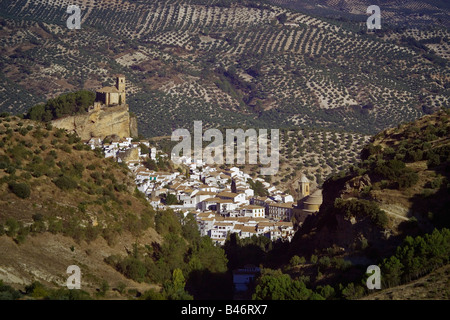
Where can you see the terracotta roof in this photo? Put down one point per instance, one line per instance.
(282, 205)
(248, 229)
(224, 201)
(224, 223)
(284, 224)
(266, 224)
(213, 199)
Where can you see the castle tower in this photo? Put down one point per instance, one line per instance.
(120, 82)
(304, 185)
(120, 85)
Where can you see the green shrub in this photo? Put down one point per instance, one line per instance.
(4, 161)
(65, 183)
(92, 232)
(22, 190)
(361, 208)
(396, 171)
(54, 225)
(7, 292)
(10, 169)
(12, 226)
(295, 260)
(66, 148)
(21, 234)
(324, 262)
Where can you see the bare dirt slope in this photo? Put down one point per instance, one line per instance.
(45, 258)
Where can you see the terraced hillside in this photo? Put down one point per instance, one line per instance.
(243, 64)
(395, 12)
(318, 154)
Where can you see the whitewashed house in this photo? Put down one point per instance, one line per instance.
(280, 211)
(235, 197)
(253, 211)
(287, 198)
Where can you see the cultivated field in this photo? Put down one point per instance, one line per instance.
(228, 64)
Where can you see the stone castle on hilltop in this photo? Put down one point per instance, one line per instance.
(110, 96)
(109, 116)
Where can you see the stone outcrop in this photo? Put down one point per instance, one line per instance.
(131, 154)
(358, 183)
(100, 122)
(133, 127)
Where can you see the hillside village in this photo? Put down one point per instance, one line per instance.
(221, 200)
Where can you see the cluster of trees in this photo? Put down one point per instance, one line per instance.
(361, 208)
(392, 172)
(15, 229)
(37, 290)
(173, 289)
(160, 164)
(65, 105)
(416, 143)
(416, 257)
(76, 228)
(274, 285)
(388, 165)
(395, 171)
(258, 188)
(20, 189)
(36, 164)
(183, 254)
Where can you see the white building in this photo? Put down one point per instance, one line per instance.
(253, 211)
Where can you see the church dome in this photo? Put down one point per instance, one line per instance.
(312, 202)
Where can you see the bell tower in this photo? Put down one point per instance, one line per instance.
(304, 185)
(120, 83)
(120, 86)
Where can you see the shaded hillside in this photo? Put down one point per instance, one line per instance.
(390, 210)
(399, 188)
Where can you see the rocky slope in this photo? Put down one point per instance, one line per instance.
(100, 123)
